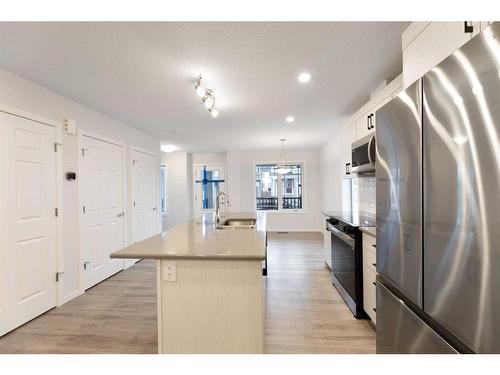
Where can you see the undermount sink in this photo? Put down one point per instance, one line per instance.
(243, 223)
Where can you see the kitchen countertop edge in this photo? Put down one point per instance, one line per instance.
(369, 230)
(171, 244)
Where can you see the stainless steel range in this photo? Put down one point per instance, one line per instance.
(347, 261)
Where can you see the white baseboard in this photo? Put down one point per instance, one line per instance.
(310, 230)
(69, 297)
(129, 263)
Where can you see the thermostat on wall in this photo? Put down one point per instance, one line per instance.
(71, 176)
(69, 126)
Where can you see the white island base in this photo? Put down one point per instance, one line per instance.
(213, 306)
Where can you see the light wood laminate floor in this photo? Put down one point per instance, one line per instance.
(304, 312)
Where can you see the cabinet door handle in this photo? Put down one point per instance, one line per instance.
(348, 168)
(371, 121)
(368, 122)
(468, 29)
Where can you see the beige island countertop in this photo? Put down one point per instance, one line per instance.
(200, 239)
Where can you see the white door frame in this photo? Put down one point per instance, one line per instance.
(58, 125)
(85, 133)
(193, 178)
(157, 185)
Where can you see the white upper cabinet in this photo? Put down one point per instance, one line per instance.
(364, 124)
(367, 123)
(484, 24)
(426, 44)
(348, 137)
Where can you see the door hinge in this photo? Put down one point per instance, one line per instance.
(468, 29)
(83, 151)
(58, 276)
(85, 265)
(56, 144)
(56, 212)
(134, 203)
(83, 209)
(133, 162)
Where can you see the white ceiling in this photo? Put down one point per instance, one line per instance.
(143, 75)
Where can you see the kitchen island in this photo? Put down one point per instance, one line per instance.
(209, 284)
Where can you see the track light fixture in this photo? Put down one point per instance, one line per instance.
(207, 97)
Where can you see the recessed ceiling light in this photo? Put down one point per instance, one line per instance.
(304, 77)
(168, 148)
(290, 119)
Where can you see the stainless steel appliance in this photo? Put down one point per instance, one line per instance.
(438, 227)
(364, 155)
(347, 263)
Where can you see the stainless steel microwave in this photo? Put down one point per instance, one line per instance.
(364, 154)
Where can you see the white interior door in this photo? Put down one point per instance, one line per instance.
(102, 209)
(28, 255)
(209, 180)
(144, 195)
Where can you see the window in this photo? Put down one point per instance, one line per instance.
(163, 188)
(210, 190)
(266, 185)
(209, 181)
(278, 192)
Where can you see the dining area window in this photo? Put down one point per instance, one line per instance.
(278, 192)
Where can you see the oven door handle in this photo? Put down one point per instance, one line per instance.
(341, 235)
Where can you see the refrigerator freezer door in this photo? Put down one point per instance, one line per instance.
(400, 331)
(461, 125)
(399, 192)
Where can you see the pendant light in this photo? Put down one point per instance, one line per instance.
(283, 168)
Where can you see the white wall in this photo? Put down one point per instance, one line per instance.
(330, 172)
(209, 158)
(234, 180)
(179, 187)
(28, 96)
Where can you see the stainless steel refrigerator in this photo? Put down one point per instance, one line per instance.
(438, 207)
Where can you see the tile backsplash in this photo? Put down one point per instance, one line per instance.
(366, 195)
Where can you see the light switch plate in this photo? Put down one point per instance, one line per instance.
(69, 126)
(169, 271)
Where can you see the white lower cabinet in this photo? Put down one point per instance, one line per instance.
(369, 289)
(369, 276)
